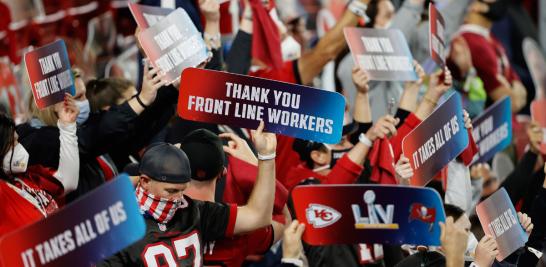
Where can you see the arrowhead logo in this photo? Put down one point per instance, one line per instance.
(321, 216)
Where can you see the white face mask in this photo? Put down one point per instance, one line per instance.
(291, 49)
(18, 162)
(85, 109)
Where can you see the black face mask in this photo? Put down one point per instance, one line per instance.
(497, 10)
(336, 155)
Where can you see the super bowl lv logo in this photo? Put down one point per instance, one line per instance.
(378, 216)
(321, 216)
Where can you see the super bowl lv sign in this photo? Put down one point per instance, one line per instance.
(350, 214)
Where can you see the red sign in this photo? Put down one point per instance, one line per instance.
(436, 35)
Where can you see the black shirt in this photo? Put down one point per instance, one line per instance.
(181, 242)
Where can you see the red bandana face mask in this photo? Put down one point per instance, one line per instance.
(161, 209)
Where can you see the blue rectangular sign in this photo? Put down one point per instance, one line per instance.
(88, 230)
(242, 101)
(351, 214)
(493, 129)
(435, 142)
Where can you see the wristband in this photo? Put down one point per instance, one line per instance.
(140, 101)
(296, 262)
(362, 138)
(267, 157)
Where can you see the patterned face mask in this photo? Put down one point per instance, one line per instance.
(161, 209)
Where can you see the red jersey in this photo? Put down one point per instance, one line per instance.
(240, 180)
(488, 56)
(28, 199)
(344, 172)
(231, 252)
(386, 152)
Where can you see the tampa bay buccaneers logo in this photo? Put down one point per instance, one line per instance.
(422, 213)
(321, 216)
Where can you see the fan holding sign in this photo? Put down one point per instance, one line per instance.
(437, 141)
(49, 72)
(173, 44)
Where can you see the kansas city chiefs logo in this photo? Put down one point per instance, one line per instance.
(321, 216)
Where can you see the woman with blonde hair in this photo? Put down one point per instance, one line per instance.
(97, 132)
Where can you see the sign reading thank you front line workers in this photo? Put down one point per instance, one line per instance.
(493, 129)
(352, 214)
(440, 138)
(88, 230)
(49, 73)
(173, 44)
(384, 54)
(243, 101)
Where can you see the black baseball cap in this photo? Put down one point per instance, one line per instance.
(164, 162)
(205, 151)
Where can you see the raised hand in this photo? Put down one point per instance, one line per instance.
(486, 251)
(420, 77)
(265, 143)
(454, 240)
(67, 111)
(151, 82)
(237, 147)
(361, 79)
(291, 244)
(525, 222)
(535, 134)
(385, 126)
(440, 82)
(210, 9)
(403, 171)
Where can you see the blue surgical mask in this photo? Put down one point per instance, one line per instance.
(84, 111)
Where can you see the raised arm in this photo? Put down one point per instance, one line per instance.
(436, 89)
(239, 56)
(211, 12)
(69, 156)
(258, 211)
(408, 101)
(329, 46)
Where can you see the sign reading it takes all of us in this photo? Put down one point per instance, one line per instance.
(440, 138)
(84, 232)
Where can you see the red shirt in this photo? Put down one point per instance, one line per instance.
(344, 172)
(382, 159)
(16, 211)
(240, 180)
(231, 252)
(488, 56)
